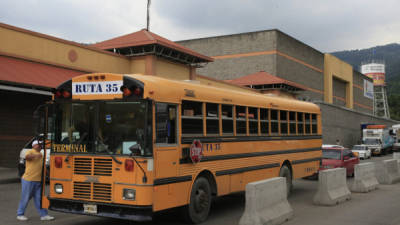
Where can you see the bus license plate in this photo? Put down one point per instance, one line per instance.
(89, 208)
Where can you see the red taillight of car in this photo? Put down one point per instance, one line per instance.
(58, 162)
(129, 165)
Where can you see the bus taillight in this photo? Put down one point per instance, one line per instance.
(129, 165)
(66, 94)
(58, 162)
(125, 91)
(137, 92)
(57, 94)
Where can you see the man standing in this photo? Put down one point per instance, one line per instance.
(31, 186)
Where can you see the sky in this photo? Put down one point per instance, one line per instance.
(325, 25)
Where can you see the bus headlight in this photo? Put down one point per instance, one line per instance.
(129, 194)
(58, 188)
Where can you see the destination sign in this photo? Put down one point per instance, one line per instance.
(97, 88)
(69, 148)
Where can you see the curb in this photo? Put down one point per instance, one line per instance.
(10, 181)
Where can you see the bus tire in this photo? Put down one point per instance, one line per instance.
(285, 172)
(200, 201)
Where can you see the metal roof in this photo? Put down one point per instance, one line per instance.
(134, 44)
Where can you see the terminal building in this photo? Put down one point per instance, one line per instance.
(33, 64)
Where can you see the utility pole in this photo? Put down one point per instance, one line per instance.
(148, 14)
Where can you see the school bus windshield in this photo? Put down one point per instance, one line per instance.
(103, 128)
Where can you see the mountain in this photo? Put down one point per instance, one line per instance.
(390, 54)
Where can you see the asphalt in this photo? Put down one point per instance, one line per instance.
(8, 175)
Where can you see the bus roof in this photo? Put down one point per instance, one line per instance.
(174, 91)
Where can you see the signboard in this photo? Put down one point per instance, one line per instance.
(196, 151)
(368, 89)
(97, 88)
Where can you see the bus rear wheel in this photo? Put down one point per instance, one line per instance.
(200, 201)
(285, 172)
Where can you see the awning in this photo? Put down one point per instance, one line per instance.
(26, 73)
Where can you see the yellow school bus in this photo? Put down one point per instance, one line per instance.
(128, 146)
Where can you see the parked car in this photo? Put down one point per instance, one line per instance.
(22, 161)
(338, 157)
(362, 150)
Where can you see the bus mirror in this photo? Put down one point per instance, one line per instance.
(135, 149)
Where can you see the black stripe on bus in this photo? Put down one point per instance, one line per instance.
(246, 169)
(171, 180)
(189, 140)
(250, 154)
(306, 160)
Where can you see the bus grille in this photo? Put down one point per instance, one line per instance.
(84, 166)
(92, 191)
(102, 192)
(82, 190)
(102, 167)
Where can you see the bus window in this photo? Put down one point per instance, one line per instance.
(227, 120)
(292, 123)
(314, 123)
(212, 119)
(307, 120)
(165, 123)
(192, 118)
(274, 122)
(253, 120)
(264, 121)
(300, 123)
(121, 126)
(240, 120)
(284, 122)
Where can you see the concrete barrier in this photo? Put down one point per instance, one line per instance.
(332, 187)
(387, 171)
(396, 155)
(364, 178)
(266, 203)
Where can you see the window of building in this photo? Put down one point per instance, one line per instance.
(192, 118)
(227, 119)
(253, 120)
(284, 122)
(212, 119)
(240, 120)
(264, 121)
(274, 122)
(292, 123)
(300, 123)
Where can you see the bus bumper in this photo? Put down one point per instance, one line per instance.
(134, 213)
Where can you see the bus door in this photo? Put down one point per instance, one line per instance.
(42, 120)
(166, 153)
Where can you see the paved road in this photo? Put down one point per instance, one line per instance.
(380, 207)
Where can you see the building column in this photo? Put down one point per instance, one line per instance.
(150, 64)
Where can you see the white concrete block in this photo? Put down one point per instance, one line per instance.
(332, 187)
(387, 171)
(266, 203)
(364, 178)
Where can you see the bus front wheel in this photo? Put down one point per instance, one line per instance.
(285, 172)
(200, 201)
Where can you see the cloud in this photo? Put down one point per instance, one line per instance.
(322, 24)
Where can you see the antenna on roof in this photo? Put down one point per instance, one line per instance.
(148, 14)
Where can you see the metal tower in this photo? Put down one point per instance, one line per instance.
(376, 71)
